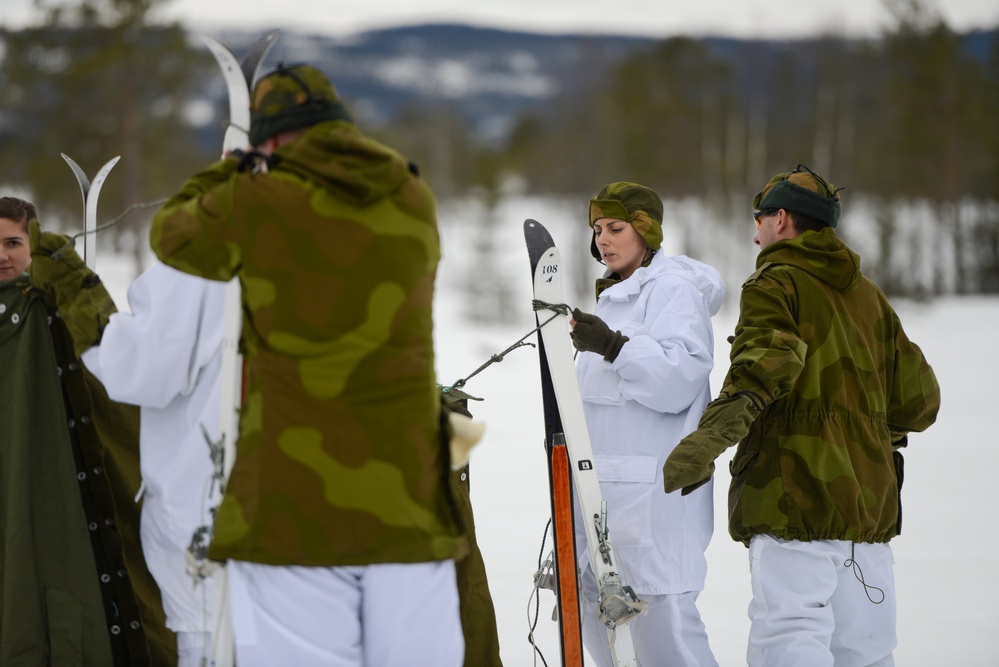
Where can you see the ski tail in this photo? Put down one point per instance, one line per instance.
(563, 530)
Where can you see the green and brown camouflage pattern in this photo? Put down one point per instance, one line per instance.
(630, 202)
(290, 98)
(339, 459)
(820, 346)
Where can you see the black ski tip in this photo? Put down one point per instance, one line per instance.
(254, 58)
(538, 241)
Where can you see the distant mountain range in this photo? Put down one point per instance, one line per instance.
(490, 75)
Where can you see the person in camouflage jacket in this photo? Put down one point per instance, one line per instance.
(340, 466)
(75, 587)
(824, 387)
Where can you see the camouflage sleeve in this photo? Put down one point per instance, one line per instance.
(915, 393)
(768, 353)
(193, 230)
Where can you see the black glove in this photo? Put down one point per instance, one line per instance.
(591, 334)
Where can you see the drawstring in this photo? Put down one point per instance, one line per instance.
(859, 574)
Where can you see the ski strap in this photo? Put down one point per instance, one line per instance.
(559, 308)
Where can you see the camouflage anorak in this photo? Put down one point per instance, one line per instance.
(339, 459)
(822, 348)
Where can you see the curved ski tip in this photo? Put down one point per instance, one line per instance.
(81, 177)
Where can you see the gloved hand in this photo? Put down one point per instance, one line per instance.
(725, 422)
(465, 434)
(591, 334)
(458, 432)
(47, 272)
(83, 303)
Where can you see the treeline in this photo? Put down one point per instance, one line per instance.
(906, 122)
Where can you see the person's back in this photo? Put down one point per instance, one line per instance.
(334, 237)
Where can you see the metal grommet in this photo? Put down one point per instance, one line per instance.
(105, 578)
(3, 308)
(71, 423)
(92, 526)
(72, 366)
(81, 475)
(464, 476)
(121, 572)
(15, 318)
(84, 419)
(134, 625)
(98, 470)
(109, 522)
(115, 630)
(59, 371)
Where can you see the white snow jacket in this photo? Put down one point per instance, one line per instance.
(638, 407)
(166, 358)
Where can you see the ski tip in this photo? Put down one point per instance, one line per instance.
(81, 177)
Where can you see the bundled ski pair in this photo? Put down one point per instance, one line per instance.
(571, 471)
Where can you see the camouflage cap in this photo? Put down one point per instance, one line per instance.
(290, 98)
(632, 203)
(801, 191)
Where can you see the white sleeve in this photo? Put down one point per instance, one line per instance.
(668, 359)
(155, 353)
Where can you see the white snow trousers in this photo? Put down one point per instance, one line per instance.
(669, 633)
(192, 648)
(823, 603)
(385, 615)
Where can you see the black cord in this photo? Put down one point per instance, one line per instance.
(537, 598)
(859, 574)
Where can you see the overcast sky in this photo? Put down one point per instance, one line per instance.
(656, 18)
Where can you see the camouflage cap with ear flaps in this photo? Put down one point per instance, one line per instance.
(292, 97)
(632, 203)
(801, 191)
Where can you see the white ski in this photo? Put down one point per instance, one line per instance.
(90, 191)
(239, 78)
(617, 602)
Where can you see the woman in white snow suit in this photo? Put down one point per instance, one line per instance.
(645, 356)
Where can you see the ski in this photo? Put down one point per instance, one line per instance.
(90, 191)
(570, 457)
(239, 78)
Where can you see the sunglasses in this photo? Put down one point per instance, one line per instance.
(762, 213)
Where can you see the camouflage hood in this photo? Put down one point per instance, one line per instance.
(820, 254)
(337, 156)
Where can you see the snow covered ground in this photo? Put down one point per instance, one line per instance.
(947, 580)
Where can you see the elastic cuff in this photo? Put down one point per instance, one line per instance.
(617, 342)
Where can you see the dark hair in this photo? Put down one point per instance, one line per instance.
(804, 223)
(18, 210)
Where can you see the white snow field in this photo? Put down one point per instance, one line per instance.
(946, 573)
